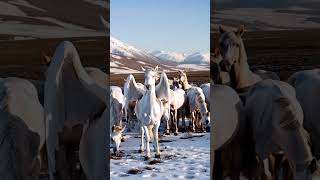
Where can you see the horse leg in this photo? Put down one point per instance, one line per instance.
(142, 140)
(166, 115)
(217, 171)
(192, 124)
(126, 116)
(147, 157)
(183, 118)
(155, 136)
(267, 174)
(175, 122)
(277, 166)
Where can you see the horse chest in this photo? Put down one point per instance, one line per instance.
(150, 110)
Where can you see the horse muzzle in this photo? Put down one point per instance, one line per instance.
(225, 66)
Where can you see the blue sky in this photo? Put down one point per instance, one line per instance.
(169, 25)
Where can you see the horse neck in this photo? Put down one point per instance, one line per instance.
(244, 76)
(185, 84)
(151, 95)
(203, 108)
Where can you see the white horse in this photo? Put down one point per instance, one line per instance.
(22, 120)
(276, 120)
(177, 101)
(19, 148)
(73, 98)
(196, 102)
(206, 91)
(307, 85)
(267, 74)
(116, 113)
(117, 105)
(235, 59)
(227, 113)
(182, 76)
(218, 76)
(149, 109)
(130, 99)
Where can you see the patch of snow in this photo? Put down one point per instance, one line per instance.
(63, 24)
(169, 56)
(141, 62)
(22, 38)
(180, 158)
(123, 70)
(264, 18)
(43, 31)
(113, 64)
(101, 3)
(11, 10)
(26, 4)
(115, 56)
(194, 67)
(298, 8)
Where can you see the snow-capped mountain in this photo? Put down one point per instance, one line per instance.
(182, 58)
(197, 58)
(170, 56)
(126, 58)
(121, 49)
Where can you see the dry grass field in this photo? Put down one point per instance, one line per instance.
(22, 58)
(196, 77)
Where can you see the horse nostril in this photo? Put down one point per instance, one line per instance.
(207, 122)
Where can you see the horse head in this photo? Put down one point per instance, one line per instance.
(150, 78)
(230, 43)
(116, 137)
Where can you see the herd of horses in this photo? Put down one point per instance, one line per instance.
(158, 100)
(43, 123)
(263, 128)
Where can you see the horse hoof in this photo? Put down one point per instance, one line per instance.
(146, 158)
(157, 156)
(167, 133)
(122, 140)
(176, 134)
(140, 151)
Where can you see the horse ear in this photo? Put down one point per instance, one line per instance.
(240, 31)
(156, 68)
(221, 29)
(46, 59)
(143, 69)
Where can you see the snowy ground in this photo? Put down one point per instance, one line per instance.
(186, 156)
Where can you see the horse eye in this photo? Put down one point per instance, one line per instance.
(237, 45)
